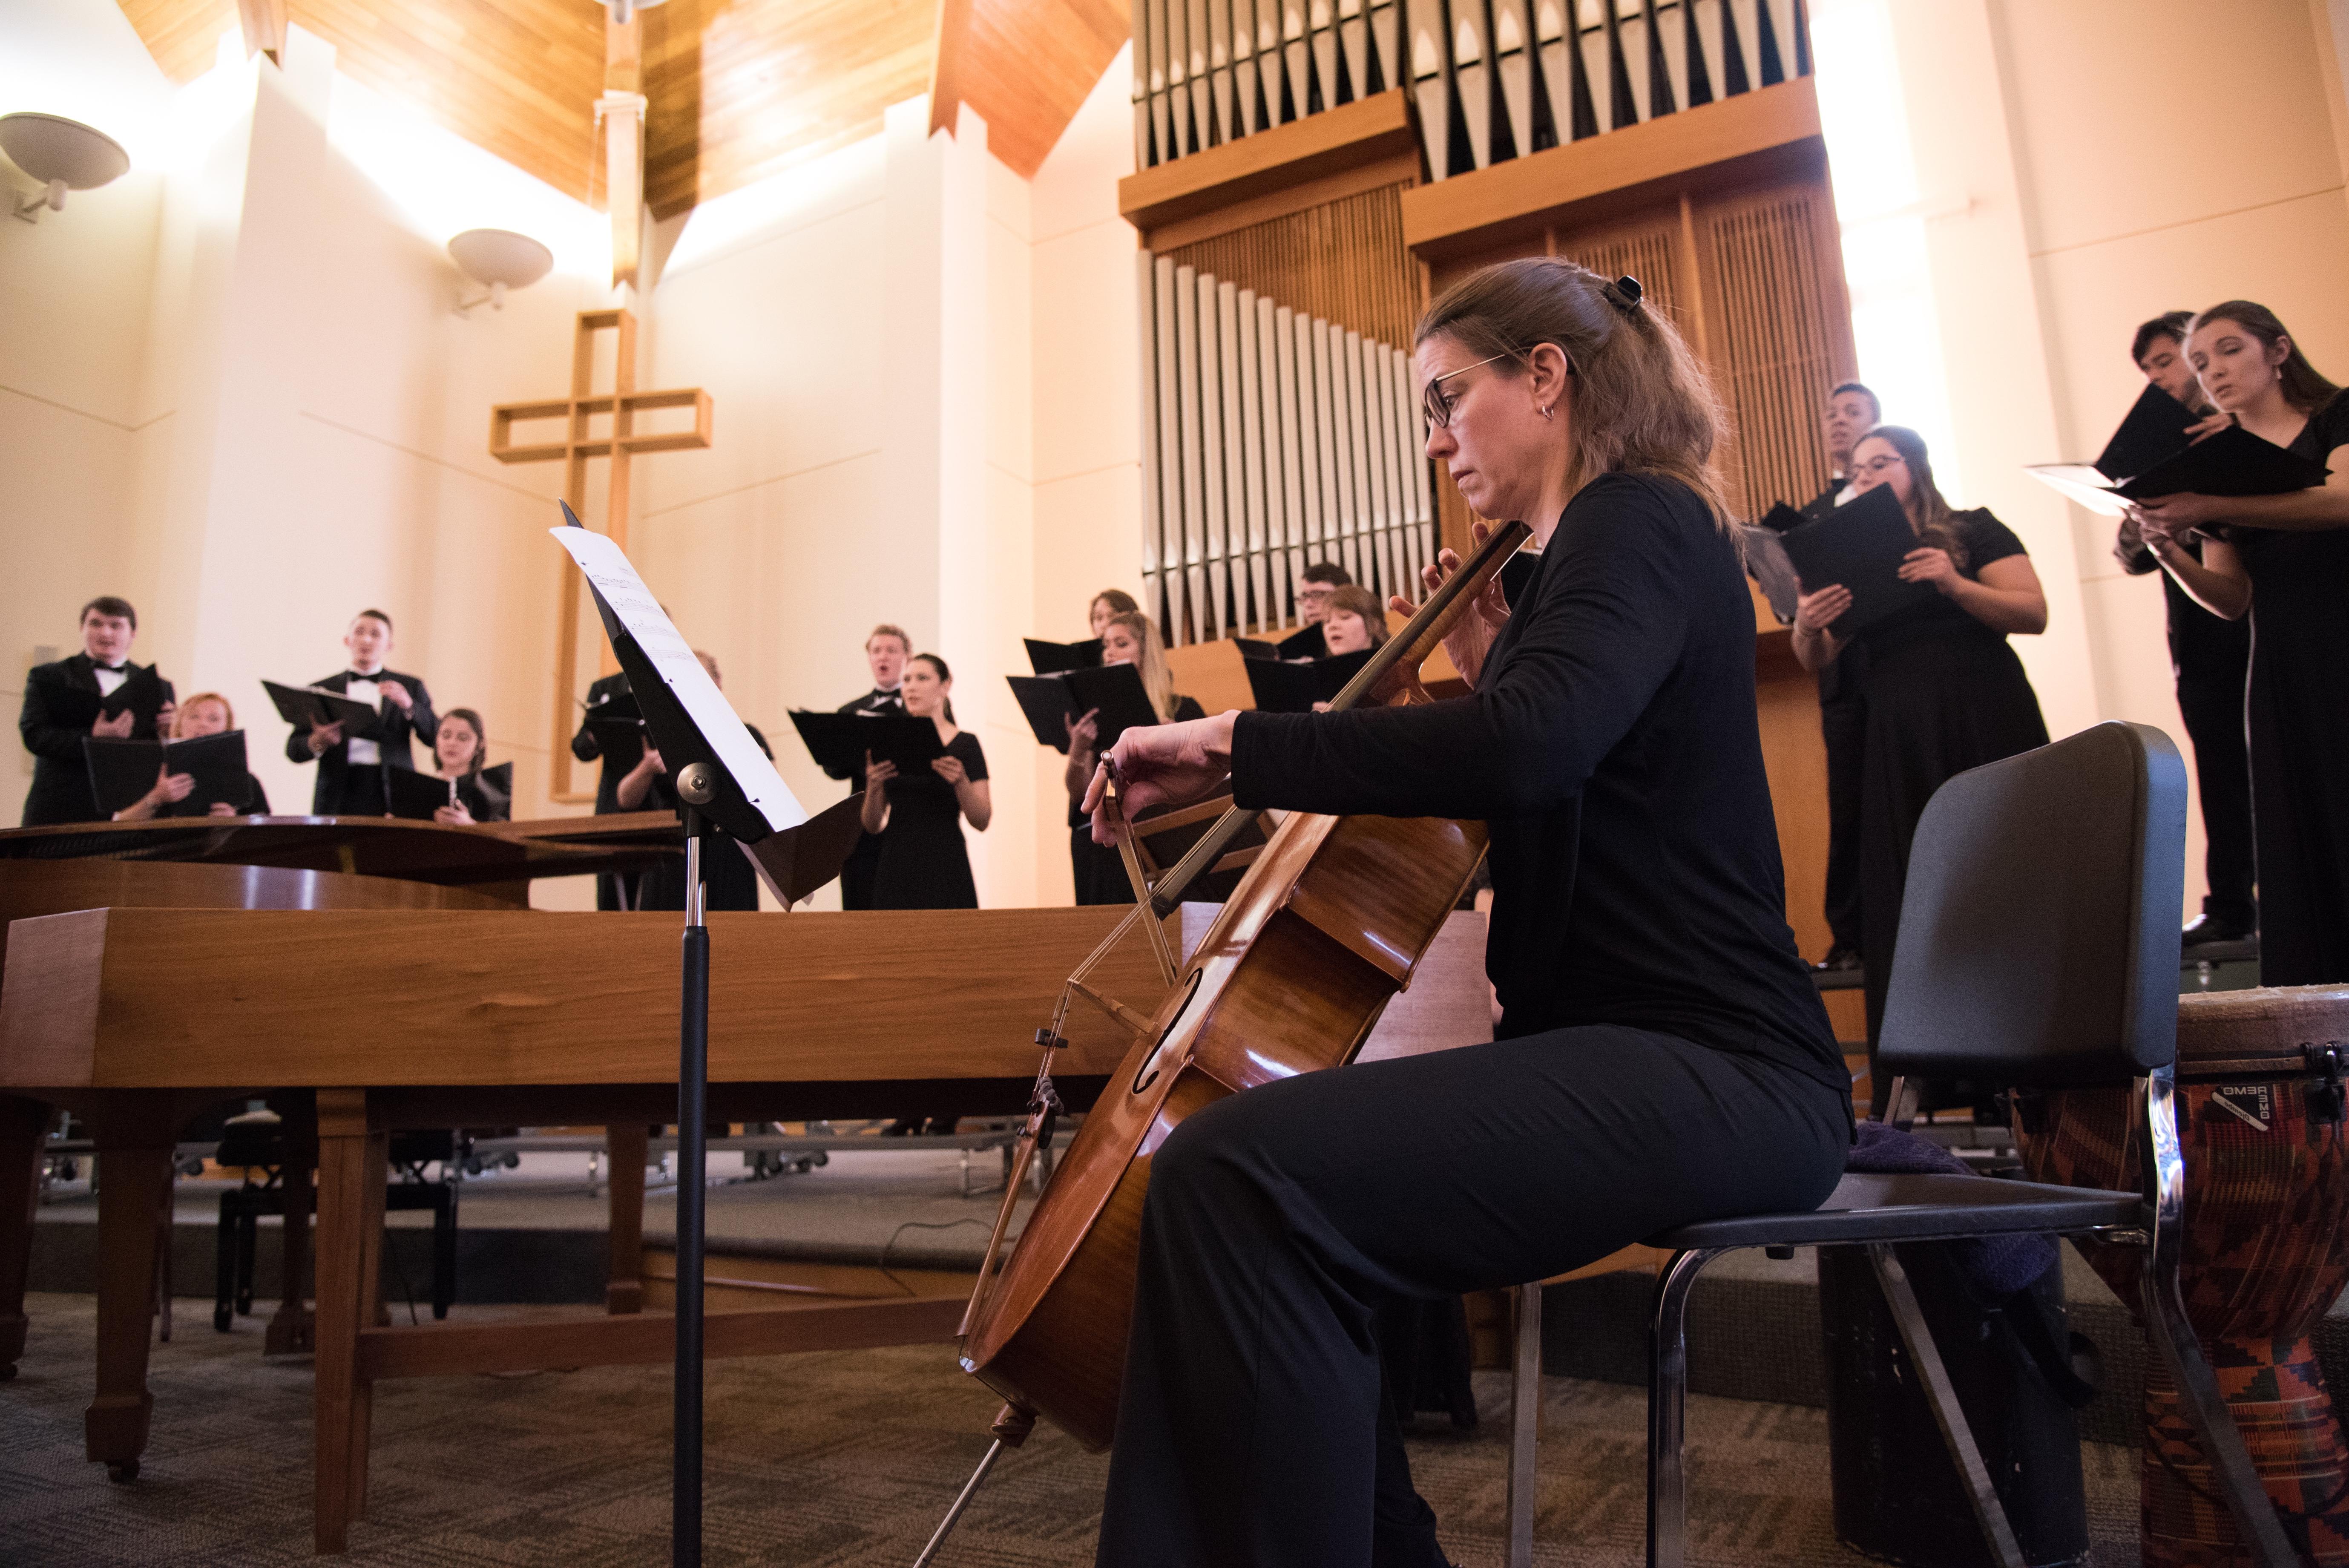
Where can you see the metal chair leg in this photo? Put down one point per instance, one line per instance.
(1668, 1410)
(2165, 1319)
(1524, 1426)
(225, 1265)
(1943, 1396)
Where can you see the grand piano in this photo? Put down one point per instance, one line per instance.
(151, 971)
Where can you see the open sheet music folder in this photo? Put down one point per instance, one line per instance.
(2230, 461)
(1052, 657)
(121, 771)
(1283, 686)
(838, 741)
(1113, 693)
(308, 707)
(1860, 544)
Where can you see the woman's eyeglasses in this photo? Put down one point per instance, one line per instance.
(1436, 404)
(1877, 465)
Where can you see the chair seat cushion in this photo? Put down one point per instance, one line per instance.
(1874, 1208)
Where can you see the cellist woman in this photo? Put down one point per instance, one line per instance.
(1663, 1057)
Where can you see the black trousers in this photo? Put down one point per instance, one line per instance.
(1843, 725)
(1251, 1432)
(2213, 707)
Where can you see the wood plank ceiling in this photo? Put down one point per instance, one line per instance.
(740, 89)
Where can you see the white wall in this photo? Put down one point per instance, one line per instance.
(262, 414)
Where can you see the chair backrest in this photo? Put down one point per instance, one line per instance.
(2039, 933)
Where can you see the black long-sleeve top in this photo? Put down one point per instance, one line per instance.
(1611, 747)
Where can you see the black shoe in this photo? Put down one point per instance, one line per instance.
(2209, 928)
(1839, 960)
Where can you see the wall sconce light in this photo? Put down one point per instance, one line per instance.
(62, 154)
(499, 259)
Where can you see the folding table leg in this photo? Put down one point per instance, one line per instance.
(352, 1162)
(135, 1153)
(625, 1292)
(22, 1125)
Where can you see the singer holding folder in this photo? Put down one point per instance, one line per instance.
(1128, 637)
(918, 819)
(1943, 691)
(69, 700)
(205, 713)
(350, 767)
(2284, 560)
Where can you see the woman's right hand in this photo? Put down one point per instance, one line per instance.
(1084, 732)
(171, 788)
(877, 774)
(1816, 612)
(1161, 765)
(1472, 635)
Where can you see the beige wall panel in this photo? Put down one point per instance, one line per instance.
(2113, 140)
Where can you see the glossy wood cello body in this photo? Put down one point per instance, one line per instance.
(1326, 927)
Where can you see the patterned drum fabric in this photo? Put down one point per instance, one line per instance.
(2266, 1252)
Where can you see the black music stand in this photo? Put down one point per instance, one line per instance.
(795, 862)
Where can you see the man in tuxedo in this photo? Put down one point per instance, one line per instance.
(885, 651)
(1851, 412)
(350, 768)
(2210, 660)
(613, 890)
(66, 703)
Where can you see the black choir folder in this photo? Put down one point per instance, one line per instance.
(1053, 657)
(1282, 686)
(838, 741)
(308, 707)
(121, 771)
(2151, 456)
(1860, 544)
(1307, 644)
(1113, 693)
(416, 795)
(141, 693)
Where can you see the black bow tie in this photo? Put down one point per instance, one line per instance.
(122, 669)
(361, 675)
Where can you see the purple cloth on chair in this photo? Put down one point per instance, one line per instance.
(1994, 1267)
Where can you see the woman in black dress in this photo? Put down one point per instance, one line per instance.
(2284, 559)
(918, 819)
(1128, 637)
(458, 751)
(1944, 692)
(1663, 1057)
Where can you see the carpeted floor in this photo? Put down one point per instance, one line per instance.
(838, 1460)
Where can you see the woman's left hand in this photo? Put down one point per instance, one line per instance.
(950, 769)
(454, 817)
(1930, 565)
(2174, 514)
(1162, 764)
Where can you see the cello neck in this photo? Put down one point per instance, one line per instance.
(1425, 631)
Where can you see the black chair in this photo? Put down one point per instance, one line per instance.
(2038, 949)
(258, 1144)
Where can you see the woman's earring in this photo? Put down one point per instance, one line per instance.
(1547, 410)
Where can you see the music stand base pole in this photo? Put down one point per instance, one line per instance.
(692, 1191)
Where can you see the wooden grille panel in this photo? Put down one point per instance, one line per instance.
(1774, 359)
(1343, 260)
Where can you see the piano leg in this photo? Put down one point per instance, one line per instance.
(624, 1292)
(352, 1163)
(134, 1158)
(22, 1123)
(291, 1330)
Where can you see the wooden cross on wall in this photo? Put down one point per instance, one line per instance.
(620, 442)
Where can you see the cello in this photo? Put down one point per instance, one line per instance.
(1326, 925)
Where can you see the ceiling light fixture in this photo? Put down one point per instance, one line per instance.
(500, 259)
(62, 154)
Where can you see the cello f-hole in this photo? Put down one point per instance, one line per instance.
(1147, 1073)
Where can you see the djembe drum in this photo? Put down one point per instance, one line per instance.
(2260, 1111)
